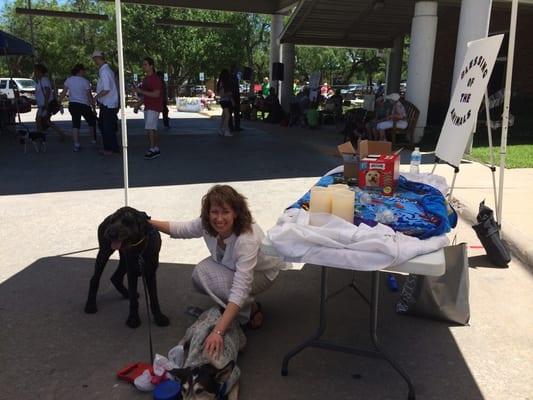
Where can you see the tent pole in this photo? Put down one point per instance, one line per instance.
(491, 153)
(123, 120)
(506, 103)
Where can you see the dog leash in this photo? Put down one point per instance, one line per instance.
(221, 395)
(143, 278)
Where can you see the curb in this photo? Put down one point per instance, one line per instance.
(208, 114)
(519, 245)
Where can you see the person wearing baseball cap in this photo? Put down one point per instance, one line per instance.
(107, 98)
(396, 115)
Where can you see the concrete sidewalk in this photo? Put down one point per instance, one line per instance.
(474, 184)
(52, 203)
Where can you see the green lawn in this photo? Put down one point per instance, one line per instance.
(518, 155)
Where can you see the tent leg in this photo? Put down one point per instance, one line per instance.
(123, 120)
(506, 103)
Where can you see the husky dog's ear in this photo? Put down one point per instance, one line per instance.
(181, 373)
(224, 373)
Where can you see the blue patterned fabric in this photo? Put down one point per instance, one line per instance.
(419, 210)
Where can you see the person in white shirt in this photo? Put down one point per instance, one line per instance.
(396, 116)
(107, 98)
(236, 270)
(44, 94)
(80, 103)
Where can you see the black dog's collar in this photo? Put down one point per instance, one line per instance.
(139, 242)
(151, 232)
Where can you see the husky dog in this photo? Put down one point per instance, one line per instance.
(203, 377)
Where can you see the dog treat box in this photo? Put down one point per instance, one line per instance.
(380, 172)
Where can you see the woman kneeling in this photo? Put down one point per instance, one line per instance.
(236, 270)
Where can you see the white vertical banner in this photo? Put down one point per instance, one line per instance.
(469, 91)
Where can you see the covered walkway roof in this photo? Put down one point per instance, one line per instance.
(346, 23)
(349, 23)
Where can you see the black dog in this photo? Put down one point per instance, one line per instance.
(129, 232)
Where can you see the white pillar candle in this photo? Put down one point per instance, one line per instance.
(343, 204)
(320, 200)
(338, 186)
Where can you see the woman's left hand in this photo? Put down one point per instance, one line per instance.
(213, 345)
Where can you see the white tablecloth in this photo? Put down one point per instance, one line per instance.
(333, 242)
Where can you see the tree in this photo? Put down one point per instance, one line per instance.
(341, 63)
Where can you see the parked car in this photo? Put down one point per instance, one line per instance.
(199, 89)
(25, 86)
(244, 87)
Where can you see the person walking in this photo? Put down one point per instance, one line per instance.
(166, 119)
(226, 101)
(235, 110)
(44, 94)
(107, 98)
(80, 103)
(151, 90)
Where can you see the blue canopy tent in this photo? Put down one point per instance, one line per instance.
(13, 46)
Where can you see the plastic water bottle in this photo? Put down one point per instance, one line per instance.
(416, 158)
(391, 281)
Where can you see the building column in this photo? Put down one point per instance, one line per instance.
(421, 50)
(276, 27)
(473, 24)
(394, 72)
(287, 58)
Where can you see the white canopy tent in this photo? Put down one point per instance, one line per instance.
(505, 116)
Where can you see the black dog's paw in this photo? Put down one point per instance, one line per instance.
(133, 321)
(90, 308)
(161, 320)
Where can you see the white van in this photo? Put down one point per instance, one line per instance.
(25, 86)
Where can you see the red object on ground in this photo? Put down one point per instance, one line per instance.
(133, 370)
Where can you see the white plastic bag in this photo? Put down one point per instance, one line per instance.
(177, 355)
(162, 365)
(144, 382)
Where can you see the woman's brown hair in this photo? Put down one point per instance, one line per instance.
(219, 195)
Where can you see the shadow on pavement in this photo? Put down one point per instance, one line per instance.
(482, 262)
(185, 159)
(51, 349)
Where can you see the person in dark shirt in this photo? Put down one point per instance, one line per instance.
(235, 109)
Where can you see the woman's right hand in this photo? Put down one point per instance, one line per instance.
(161, 226)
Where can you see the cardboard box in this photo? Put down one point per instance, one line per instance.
(351, 157)
(379, 167)
(367, 147)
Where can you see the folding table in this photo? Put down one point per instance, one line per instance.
(432, 264)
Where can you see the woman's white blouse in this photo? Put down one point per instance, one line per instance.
(242, 255)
